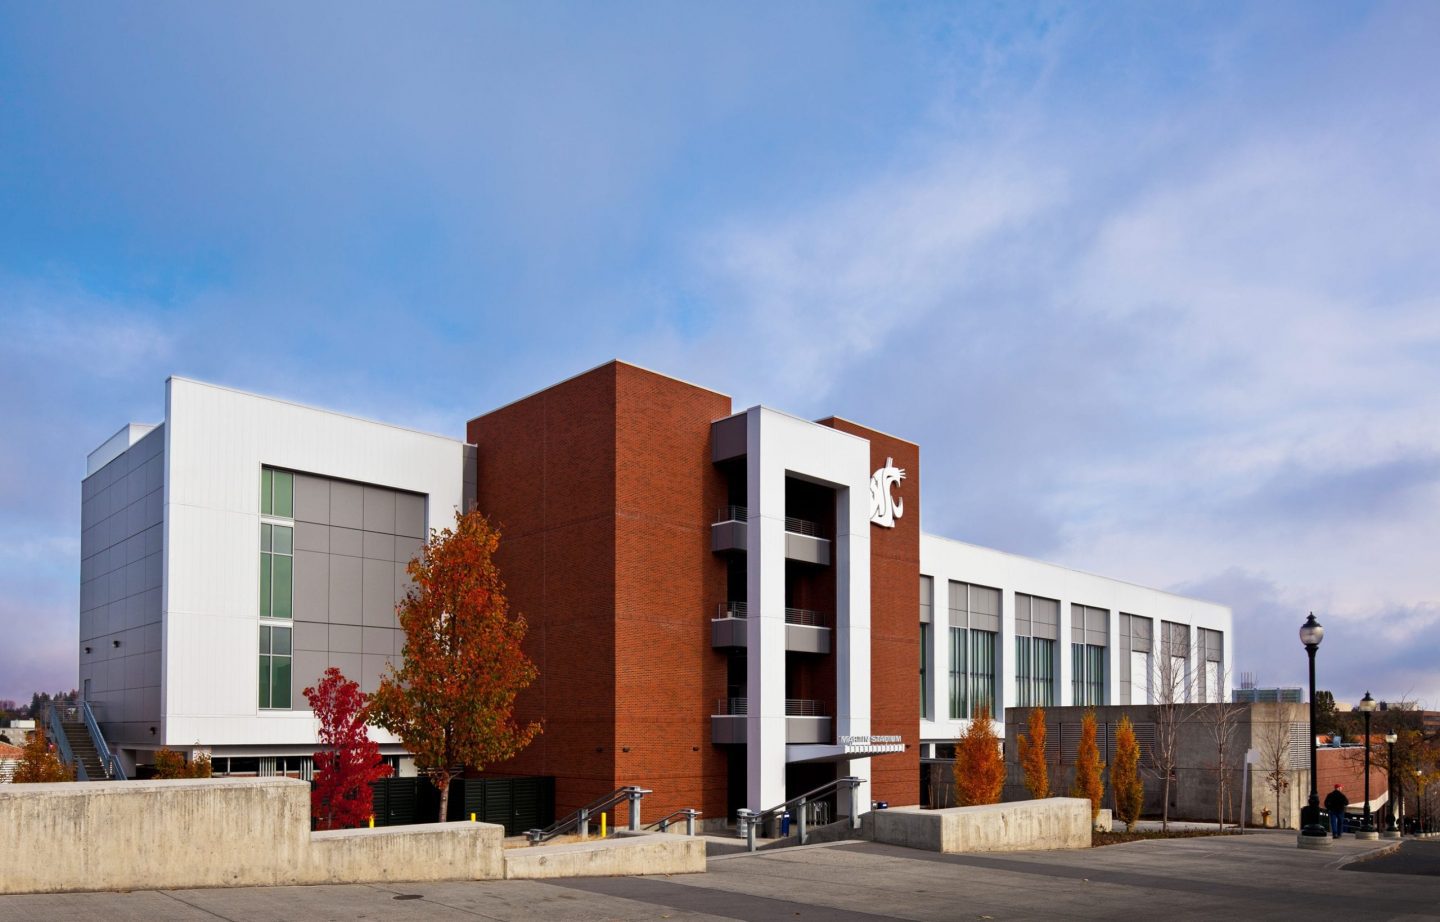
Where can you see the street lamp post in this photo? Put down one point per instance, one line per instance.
(1393, 832)
(1312, 834)
(1367, 827)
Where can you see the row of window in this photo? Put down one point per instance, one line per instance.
(972, 652)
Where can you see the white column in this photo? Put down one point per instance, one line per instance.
(1066, 673)
(765, 624)
(852, 628)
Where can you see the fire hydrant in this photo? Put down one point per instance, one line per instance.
(1265, 817)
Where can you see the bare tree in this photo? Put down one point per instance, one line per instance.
(1224, 720)
(1173, 692)
(1273, 745)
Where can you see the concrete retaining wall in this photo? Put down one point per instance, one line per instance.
(1056, 822)
(230, 832)
(626, 854)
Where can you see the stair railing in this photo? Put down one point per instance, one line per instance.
(113, 768)
(580, 819)
(61, 741)
(750, 819)
(690, 813)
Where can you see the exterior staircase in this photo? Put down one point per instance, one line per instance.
(76, 734)
(82, 749)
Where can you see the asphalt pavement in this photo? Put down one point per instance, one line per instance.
(1252, 877)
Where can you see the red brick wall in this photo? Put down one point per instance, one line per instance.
(668, 585)
(895, 623)
(546, 477)
(605, 491)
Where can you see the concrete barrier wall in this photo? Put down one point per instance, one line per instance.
(626, 854)
(230, 832)
(1056, 822)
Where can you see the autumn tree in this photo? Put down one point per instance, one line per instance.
(1125, 784)
(40, 764)
(1275, 767)
(979, 767)
(170, 765)
(1088, 780)
(1032, 755)
(342, 797)
(452, 702)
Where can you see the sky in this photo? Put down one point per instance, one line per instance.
(1155, 286)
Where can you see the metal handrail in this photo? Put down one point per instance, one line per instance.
(113, 768)
(749, 819)
(61, 741)
(733, 514)
(804, 707)
(807, 617)
(727, 707)
(689, 813)
(733, 610)
(801, 527)
(580, 819)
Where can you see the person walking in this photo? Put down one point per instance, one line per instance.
(1336, 802)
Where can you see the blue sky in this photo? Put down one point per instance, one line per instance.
(1155, 286)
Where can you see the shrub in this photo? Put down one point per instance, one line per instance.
(1032, 756)
(979, 767)
(170, 765)
(1125, 781)
(1088, 780)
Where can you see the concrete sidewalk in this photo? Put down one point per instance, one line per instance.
(1260, 876)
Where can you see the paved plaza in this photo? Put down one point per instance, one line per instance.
(1257, 876)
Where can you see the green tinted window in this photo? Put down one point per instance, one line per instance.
(266, 486)
(280, 682)
(264, 681)
(284, 494)
(282, 539)
(282, 590)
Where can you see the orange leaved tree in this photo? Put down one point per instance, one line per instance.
(452, 703)
(40, 764)
(979, 768)
(1088, 781)
(170, 765)
(1032, 755)
(1125, 784)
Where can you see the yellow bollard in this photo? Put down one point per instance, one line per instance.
(372, 821)
(472, 817)
(602, 825)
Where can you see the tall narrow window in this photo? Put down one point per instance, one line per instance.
(277, 570)
(982, 671)
(1024, 683)
(958, 702)
(274, 667)
(1044, 669)
(924, 672)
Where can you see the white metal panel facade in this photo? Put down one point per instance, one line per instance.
(217, 440)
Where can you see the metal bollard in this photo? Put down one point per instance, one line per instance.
(690, 821)
(635, 796)
(800, 812)
(583, 827)
(746, 821)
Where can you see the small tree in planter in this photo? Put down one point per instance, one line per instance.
(1125, 784)
(1088, 780)
(342, 797)
(979, 768)
(1032, 756)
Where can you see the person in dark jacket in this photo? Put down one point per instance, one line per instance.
(1336, 802)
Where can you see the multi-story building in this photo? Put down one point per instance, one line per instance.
(726, 607)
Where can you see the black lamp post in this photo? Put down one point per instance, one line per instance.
(1367, 707)
(1393, 832)
(1312, 835)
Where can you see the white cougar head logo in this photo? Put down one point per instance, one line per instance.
(885, 508)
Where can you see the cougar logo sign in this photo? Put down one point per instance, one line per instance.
(885, 508)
